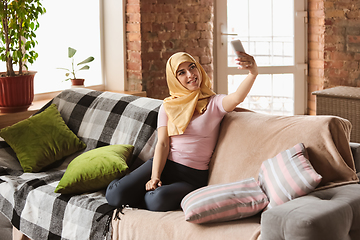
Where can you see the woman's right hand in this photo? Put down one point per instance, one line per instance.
(152, 184)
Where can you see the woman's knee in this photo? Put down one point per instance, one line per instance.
(158, 200)
(130, 189)
(119, 193)
(113, 193)
(167, 197)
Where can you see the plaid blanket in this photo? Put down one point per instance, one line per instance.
(97, 118)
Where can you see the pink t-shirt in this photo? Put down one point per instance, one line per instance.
(195, 147)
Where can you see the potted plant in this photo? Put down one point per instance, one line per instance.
(74, 69)
(19, 21)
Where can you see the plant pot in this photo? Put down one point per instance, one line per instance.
(77, 82)
(16, 93)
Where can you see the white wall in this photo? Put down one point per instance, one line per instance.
(113, 44)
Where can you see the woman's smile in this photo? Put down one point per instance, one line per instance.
(189, 76)
(193, 81)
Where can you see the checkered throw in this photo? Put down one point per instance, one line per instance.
(97, 118)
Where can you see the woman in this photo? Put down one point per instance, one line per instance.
(188, 127)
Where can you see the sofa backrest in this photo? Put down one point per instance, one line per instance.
(248, 138)
(104, 118)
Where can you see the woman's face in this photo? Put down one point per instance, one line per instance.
(189, 76)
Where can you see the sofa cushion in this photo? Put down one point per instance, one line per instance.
(138, 224)
(288, 175)
(248, 138)
(224, 202)
(95, 169)
(41, 140)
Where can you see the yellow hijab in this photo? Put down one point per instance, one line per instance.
(181, 104)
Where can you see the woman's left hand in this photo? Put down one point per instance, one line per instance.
(246, 61)
(152, 184)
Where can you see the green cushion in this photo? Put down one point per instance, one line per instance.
(95, 169)
(41, 140)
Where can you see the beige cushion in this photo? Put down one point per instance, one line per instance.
(247, 139)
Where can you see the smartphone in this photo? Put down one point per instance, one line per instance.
(237, 46)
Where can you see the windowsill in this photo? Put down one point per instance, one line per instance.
(50, 95)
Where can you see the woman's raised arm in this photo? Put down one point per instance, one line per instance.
(245, 61)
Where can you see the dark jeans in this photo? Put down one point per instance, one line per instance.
(177, 181)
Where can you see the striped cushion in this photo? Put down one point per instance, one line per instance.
(288, 175)
(224, 202)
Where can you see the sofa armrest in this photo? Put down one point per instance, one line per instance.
(355, 149)
(330, 214)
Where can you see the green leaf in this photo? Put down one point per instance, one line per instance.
(64, 69)
(22, 16)
(71, 52)
(86, 67)
(89, 59)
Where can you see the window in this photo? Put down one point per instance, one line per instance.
(66, 24)
(269, 30)
(271, 93)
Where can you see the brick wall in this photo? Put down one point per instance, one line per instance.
(342, 43)
(316, 43)
(133, 45)
(156, 29)
(334, 45)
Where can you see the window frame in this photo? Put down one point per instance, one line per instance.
(299, 69)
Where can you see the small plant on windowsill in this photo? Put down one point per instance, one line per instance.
(74, 69)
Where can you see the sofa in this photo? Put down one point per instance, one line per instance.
(331, 210)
